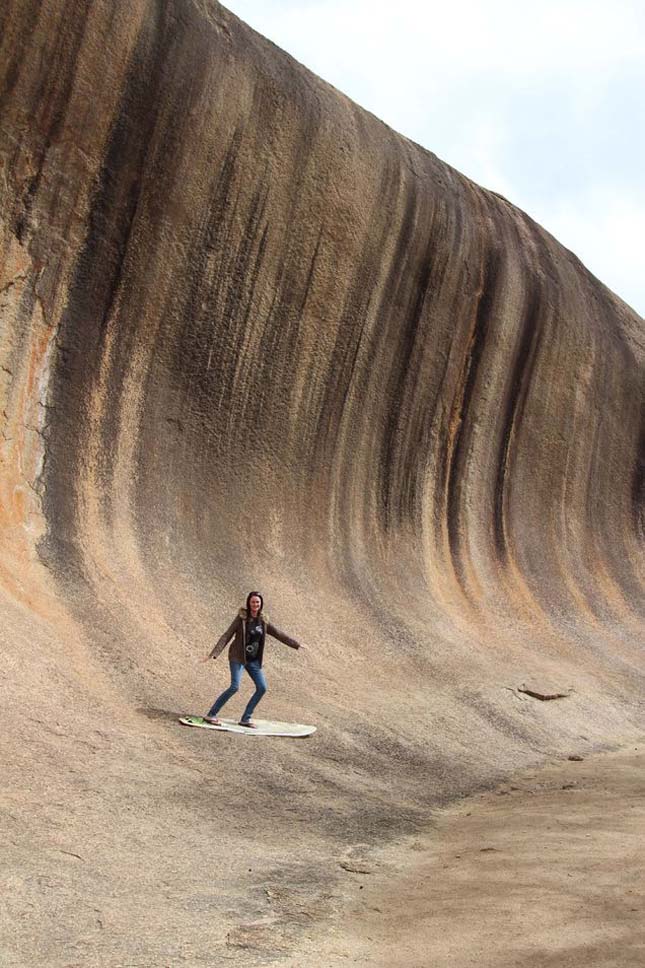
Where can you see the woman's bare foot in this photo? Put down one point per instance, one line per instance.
(248, 724)
(213, 720)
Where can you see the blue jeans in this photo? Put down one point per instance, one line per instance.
(255, 671)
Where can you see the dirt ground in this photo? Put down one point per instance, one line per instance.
(547, 871)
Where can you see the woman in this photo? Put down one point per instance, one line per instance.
(248, 630)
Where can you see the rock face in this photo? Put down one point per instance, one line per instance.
(251, 337)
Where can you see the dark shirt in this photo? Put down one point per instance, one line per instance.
(253, 638)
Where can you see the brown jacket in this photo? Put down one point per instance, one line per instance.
(237, 631)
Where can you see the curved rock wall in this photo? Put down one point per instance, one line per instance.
(253, 337)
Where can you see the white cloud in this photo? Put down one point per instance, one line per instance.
(543, 103)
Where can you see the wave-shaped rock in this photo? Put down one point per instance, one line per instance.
(253, 337)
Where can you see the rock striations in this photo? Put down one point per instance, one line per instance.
(252, 337)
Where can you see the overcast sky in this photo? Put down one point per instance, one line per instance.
(542, 102)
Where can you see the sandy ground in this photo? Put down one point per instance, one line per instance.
(547, 870)
(129, 841)
(164, 846)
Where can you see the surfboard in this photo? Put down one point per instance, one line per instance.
(263, 727)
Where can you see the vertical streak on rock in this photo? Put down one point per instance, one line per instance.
(638, 484)
(511, 419)
(412, 278)
(94, 290)
(457, 453)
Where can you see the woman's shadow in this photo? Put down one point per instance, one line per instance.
(155, 714)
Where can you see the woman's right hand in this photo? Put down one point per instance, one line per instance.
(206, 658)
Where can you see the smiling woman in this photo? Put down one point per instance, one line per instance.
(248, 632)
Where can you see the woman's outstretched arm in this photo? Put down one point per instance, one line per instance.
(282, 636)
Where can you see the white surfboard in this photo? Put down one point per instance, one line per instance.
(263, 727)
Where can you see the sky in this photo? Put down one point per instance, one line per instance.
(541, 102)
